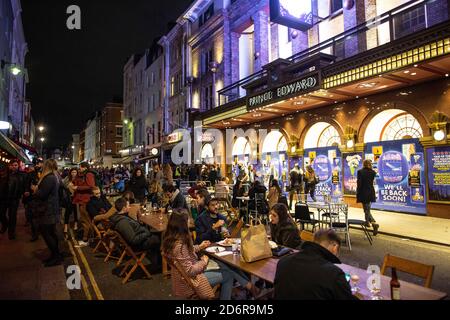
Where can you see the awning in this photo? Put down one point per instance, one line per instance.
(13, 149)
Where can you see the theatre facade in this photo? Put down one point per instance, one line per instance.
(332, 106)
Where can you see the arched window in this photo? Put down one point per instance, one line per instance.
(321, 134)
(241, 146)
(392, 124)
(274, 142)
(402, 126)
(329, 137)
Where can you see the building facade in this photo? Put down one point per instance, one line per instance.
(111, 134)
(76, 148)
(343, 84)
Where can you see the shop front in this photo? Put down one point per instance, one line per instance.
(273, 163)
(241, 157)
(388, 106)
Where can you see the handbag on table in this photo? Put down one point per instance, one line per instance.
(254, 243)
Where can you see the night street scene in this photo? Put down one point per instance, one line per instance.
(252, 151)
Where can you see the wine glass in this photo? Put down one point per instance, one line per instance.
(354, 278)
(375, 293)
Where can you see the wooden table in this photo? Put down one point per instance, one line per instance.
(408, 290)
(265, 269)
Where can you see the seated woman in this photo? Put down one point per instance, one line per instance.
(119, 184)
(283, 229)
(177, 245)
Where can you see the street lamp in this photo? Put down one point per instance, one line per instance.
(41, 128)
(15, 69)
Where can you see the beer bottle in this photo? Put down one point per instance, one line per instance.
(395, 286)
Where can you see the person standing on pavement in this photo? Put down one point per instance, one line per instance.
(46, 193)
(68, 183)
(295, 182)
(365, 193)
(84, 184)
(10, 199)
(138, 185)
(311, 180)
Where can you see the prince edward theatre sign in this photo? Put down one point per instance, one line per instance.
(300, 86)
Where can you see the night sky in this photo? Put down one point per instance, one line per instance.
(72, 73)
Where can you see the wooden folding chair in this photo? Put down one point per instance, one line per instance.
(306, 235)
(175, 265)
(100, 236)
(135, 260)
(115, 243)
(237, 228)
(415, 268)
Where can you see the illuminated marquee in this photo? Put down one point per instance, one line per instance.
(300, 86)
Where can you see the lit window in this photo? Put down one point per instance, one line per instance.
(403, 126)
(329, 137)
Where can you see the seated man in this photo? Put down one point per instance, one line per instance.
(119, 184)
(210, 225)
(135, 234)
(98, 204)
(311, 274)
(176, 198)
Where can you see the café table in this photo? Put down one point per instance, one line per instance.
(266, 269)
(408, 290)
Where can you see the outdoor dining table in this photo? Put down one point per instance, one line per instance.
(266, 269)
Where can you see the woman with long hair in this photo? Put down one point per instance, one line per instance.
(178, 246)
(283, 229)
(70, 208)
(274, 193)
(138, 184)
(167, 175)
(155, 192)
(46, 193)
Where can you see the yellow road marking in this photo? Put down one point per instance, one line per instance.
(83, 280)
(89, 272)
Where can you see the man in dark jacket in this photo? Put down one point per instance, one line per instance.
(136, 235)
(311, 274)
(32, 178)
(176, 198)
(9, 201)
(365, 192)
(210, 225)
(98, 203)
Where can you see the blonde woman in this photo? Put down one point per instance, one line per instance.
(70, 208)
(167, 174)
(46, 195)
(155, 191)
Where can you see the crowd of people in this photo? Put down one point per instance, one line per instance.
(79, 193)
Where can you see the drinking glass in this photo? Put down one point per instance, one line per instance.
(375, 293)
(234, 248)
(354, 280)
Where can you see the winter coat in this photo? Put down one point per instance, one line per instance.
(48, 194)
(311, 275)
(365, 192)
(135, 234)
(286, 234)
(98, 206)
(15, 186)
(138, 185)
(179, 202)
(204, 230)
(84, 183)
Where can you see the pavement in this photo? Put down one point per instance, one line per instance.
(22, 274)
(421, 228)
